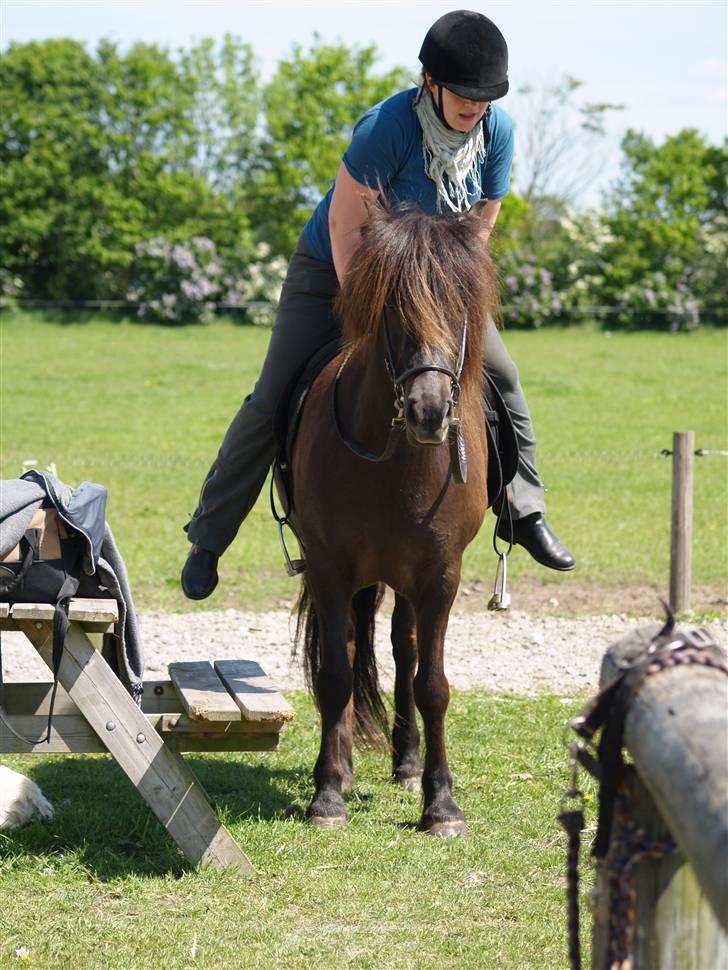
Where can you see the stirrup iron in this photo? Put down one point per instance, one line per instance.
(501, 598)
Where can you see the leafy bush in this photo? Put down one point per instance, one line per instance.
(11, 286)
(187, 282)
(529, 296)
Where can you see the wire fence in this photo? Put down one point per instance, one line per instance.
(717, 312)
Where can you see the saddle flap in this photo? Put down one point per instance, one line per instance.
(504, 434)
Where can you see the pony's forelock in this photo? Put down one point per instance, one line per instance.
(433, 271)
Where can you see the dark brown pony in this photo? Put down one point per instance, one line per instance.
(378, 505)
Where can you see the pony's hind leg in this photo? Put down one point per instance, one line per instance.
(441, 815)
(406, 769)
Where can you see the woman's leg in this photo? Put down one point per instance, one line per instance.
(526, 491)
(304, 323)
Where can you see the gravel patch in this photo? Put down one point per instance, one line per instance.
(511, 652)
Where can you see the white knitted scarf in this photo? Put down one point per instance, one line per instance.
(457, 155)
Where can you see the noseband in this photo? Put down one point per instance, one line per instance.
(458, 452)
(399, 381)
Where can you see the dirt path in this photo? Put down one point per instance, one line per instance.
(515, 651)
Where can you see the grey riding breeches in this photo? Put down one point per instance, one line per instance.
(305, 321)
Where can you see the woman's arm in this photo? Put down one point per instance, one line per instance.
(346, 214)
(490, 214)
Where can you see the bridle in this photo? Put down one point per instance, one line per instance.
(458, 453)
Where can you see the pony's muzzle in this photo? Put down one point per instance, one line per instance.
(429, 409)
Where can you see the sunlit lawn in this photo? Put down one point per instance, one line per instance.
(142, 409)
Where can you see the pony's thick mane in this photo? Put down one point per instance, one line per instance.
(431, 270)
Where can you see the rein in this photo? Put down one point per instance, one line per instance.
(458, 452)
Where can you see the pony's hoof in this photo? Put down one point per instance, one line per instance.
(409, 782)
(328, 821)
(448, 829)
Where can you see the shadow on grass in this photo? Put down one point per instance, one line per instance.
(103, 822)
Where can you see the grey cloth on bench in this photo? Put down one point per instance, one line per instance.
(104, 572)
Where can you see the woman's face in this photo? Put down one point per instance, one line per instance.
(460, 113)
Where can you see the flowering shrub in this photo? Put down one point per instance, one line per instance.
(529, 296)
(11, 287)
(258, 286)
(655, 299)
(182, 283)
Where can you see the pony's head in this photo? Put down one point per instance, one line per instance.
(414, 284)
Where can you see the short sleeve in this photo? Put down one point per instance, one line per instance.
(377, 148)
(497, 172)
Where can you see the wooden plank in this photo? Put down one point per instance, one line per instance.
(254, 692)
(4, 610)
(203, 695)
(33, 697)
(32, 611)
(164, 782)
(160, 697)
(94, 614)
(168, 724)
(93, 610)
(70, 734)
(202, 743)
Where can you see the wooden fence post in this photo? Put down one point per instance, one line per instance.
(676, 731)
(681, 532)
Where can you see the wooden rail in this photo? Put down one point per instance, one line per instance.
(676, 731)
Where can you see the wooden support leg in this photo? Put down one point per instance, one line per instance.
(165, 782)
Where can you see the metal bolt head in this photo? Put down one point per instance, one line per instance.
(140, 738)
(110, 725)
(38, 625)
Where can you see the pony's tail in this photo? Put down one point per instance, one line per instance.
(371, 722)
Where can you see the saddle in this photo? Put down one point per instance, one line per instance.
(502, 442)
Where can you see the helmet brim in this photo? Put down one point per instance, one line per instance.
(476, 93)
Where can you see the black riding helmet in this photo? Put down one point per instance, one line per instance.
(465, 52)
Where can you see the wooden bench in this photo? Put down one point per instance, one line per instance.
(230, 705)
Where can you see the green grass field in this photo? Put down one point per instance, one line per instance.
(103, 887)
(142, 409)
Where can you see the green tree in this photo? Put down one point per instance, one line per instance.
(666, 216)
(311, 106)
(100, 152)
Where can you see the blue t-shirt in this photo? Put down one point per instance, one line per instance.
(386, 150)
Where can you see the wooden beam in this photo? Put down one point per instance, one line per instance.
(202, 694)
(255, 693)
(164, 782)
(72, 734)
(676, 730)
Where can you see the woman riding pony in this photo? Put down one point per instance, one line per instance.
(443, 147)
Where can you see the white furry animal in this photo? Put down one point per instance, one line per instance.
(18, 797)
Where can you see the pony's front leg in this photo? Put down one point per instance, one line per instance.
(406, 769)
(440, 815)
(334, 689)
